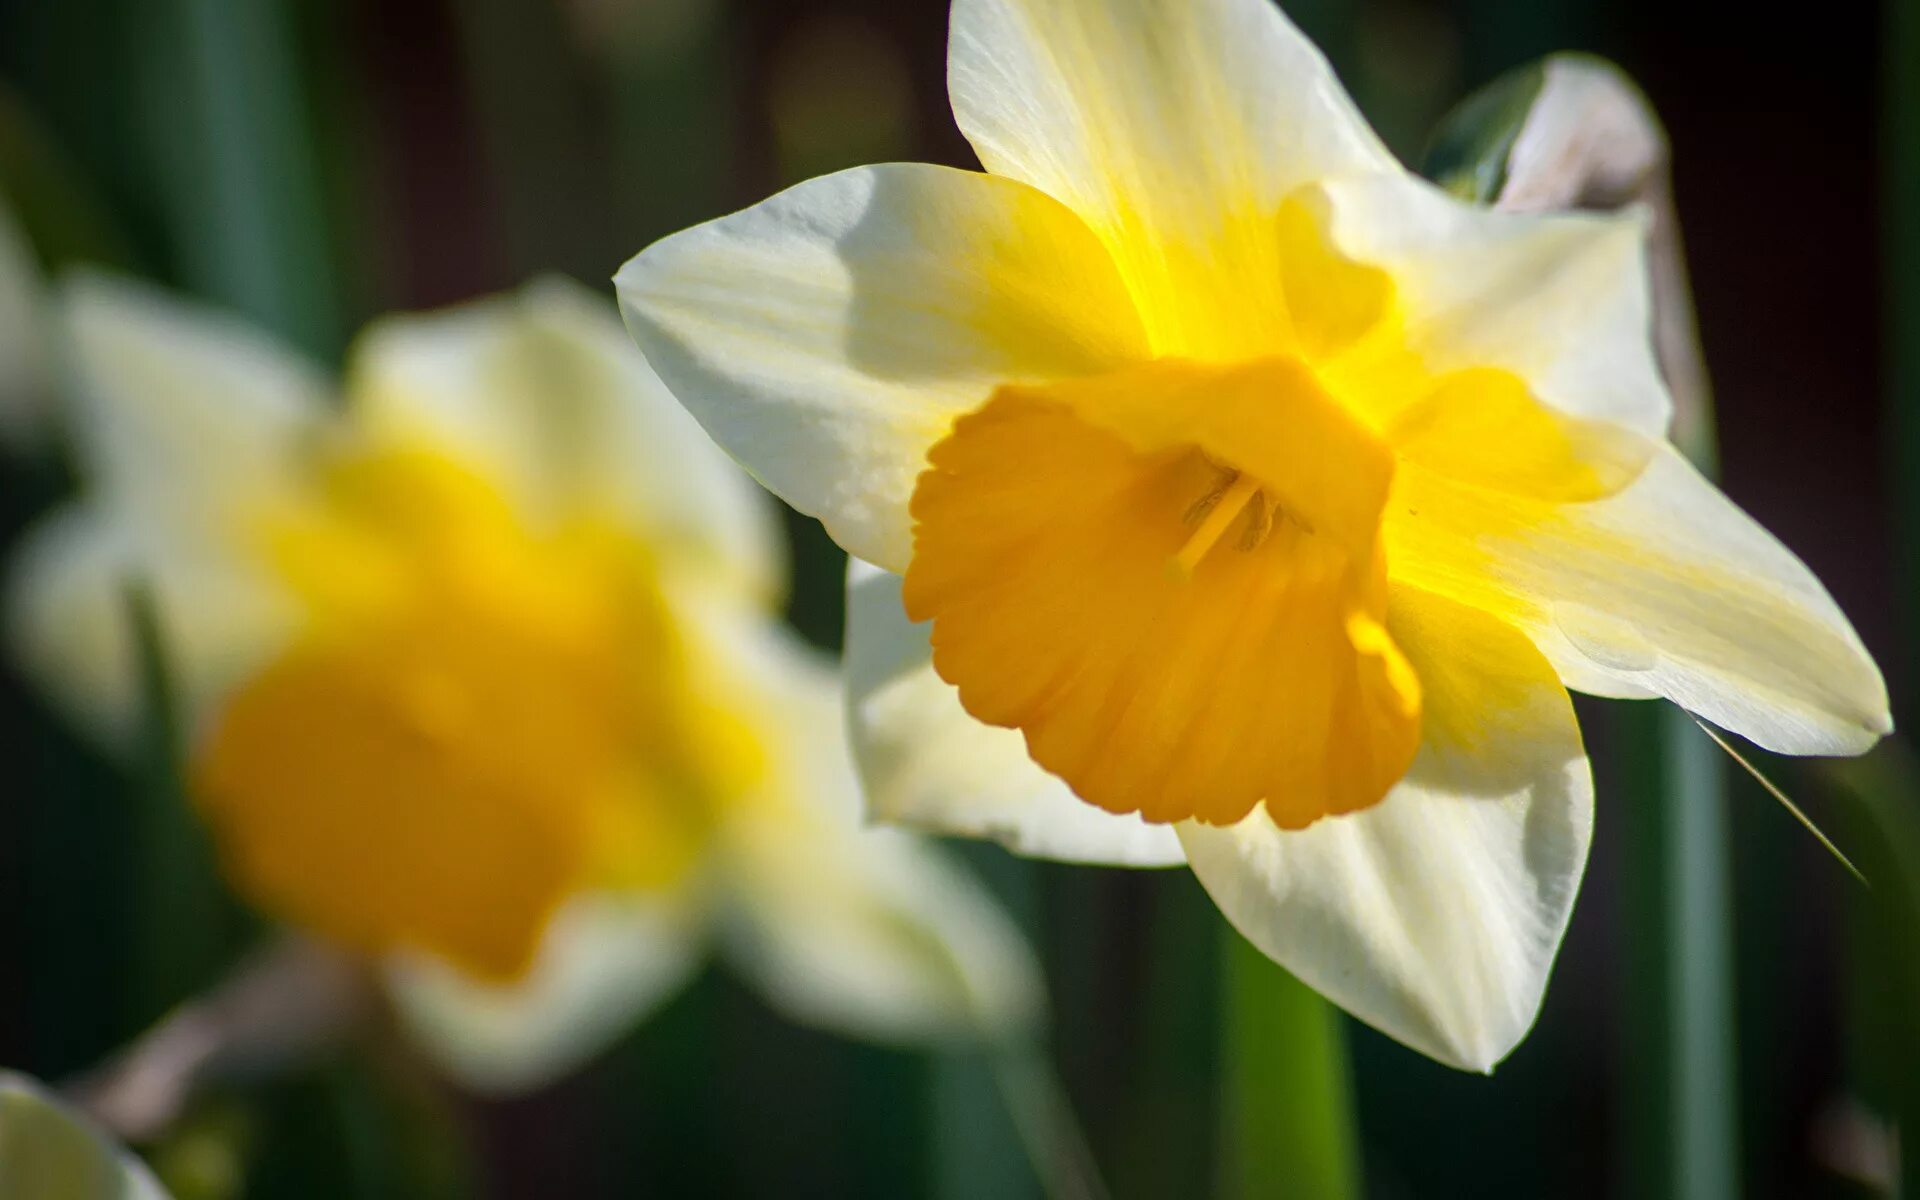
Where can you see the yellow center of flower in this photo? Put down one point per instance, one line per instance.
(481, 719)
(1173, 579)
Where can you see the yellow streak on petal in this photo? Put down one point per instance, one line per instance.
(1484, 427)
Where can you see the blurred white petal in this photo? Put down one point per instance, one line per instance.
(867, 931)
(68, 616)
(182, 413)
(606, 962)
(543, 390)
(187, 424)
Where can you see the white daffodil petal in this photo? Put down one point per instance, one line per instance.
(25, 370)
(187, 424)
(1433, 916)
(1666, 587)
(544, 391)
(1561, 300)
(897, 943)
(1161, 115)
(182, 414)
(605, 962)
(927, 764)
(69, 618)
(828, 336)
(867, 931)
(48, 1152)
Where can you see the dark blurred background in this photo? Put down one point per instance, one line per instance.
(315, 163)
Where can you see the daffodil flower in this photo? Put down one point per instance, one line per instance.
(485, 678)
(1235, 497)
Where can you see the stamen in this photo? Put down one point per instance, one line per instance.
(1259, 522)
(1198, 510)
(1217, 515)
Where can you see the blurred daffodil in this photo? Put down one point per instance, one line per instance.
(47, 1152)
(484, 677)
(1273, 496)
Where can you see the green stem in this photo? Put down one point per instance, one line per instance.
(1000, 1126)
(1683, 1122)
(1684, 1127)
(1045, 1122)
(1894, 1040)
(1691, 856)
(1901, 337)
(183, 922)
(1881, 818)
(1688, 858)
(1288, 1102)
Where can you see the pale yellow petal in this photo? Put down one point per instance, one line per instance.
(1435, 915)
(69, 625)
(1560, 300)
(1666, 588)
(181, 412)
(868, 931)
(1175, 128)
(828, 336)
(542, 391)
(185, 423)
(926, 764)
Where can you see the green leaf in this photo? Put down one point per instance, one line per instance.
(1881, 813)
(233, 154)
(57, 207)
(190, 928)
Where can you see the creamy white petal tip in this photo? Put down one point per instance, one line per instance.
(827, 336)
(1435, 915)
(605, 962)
